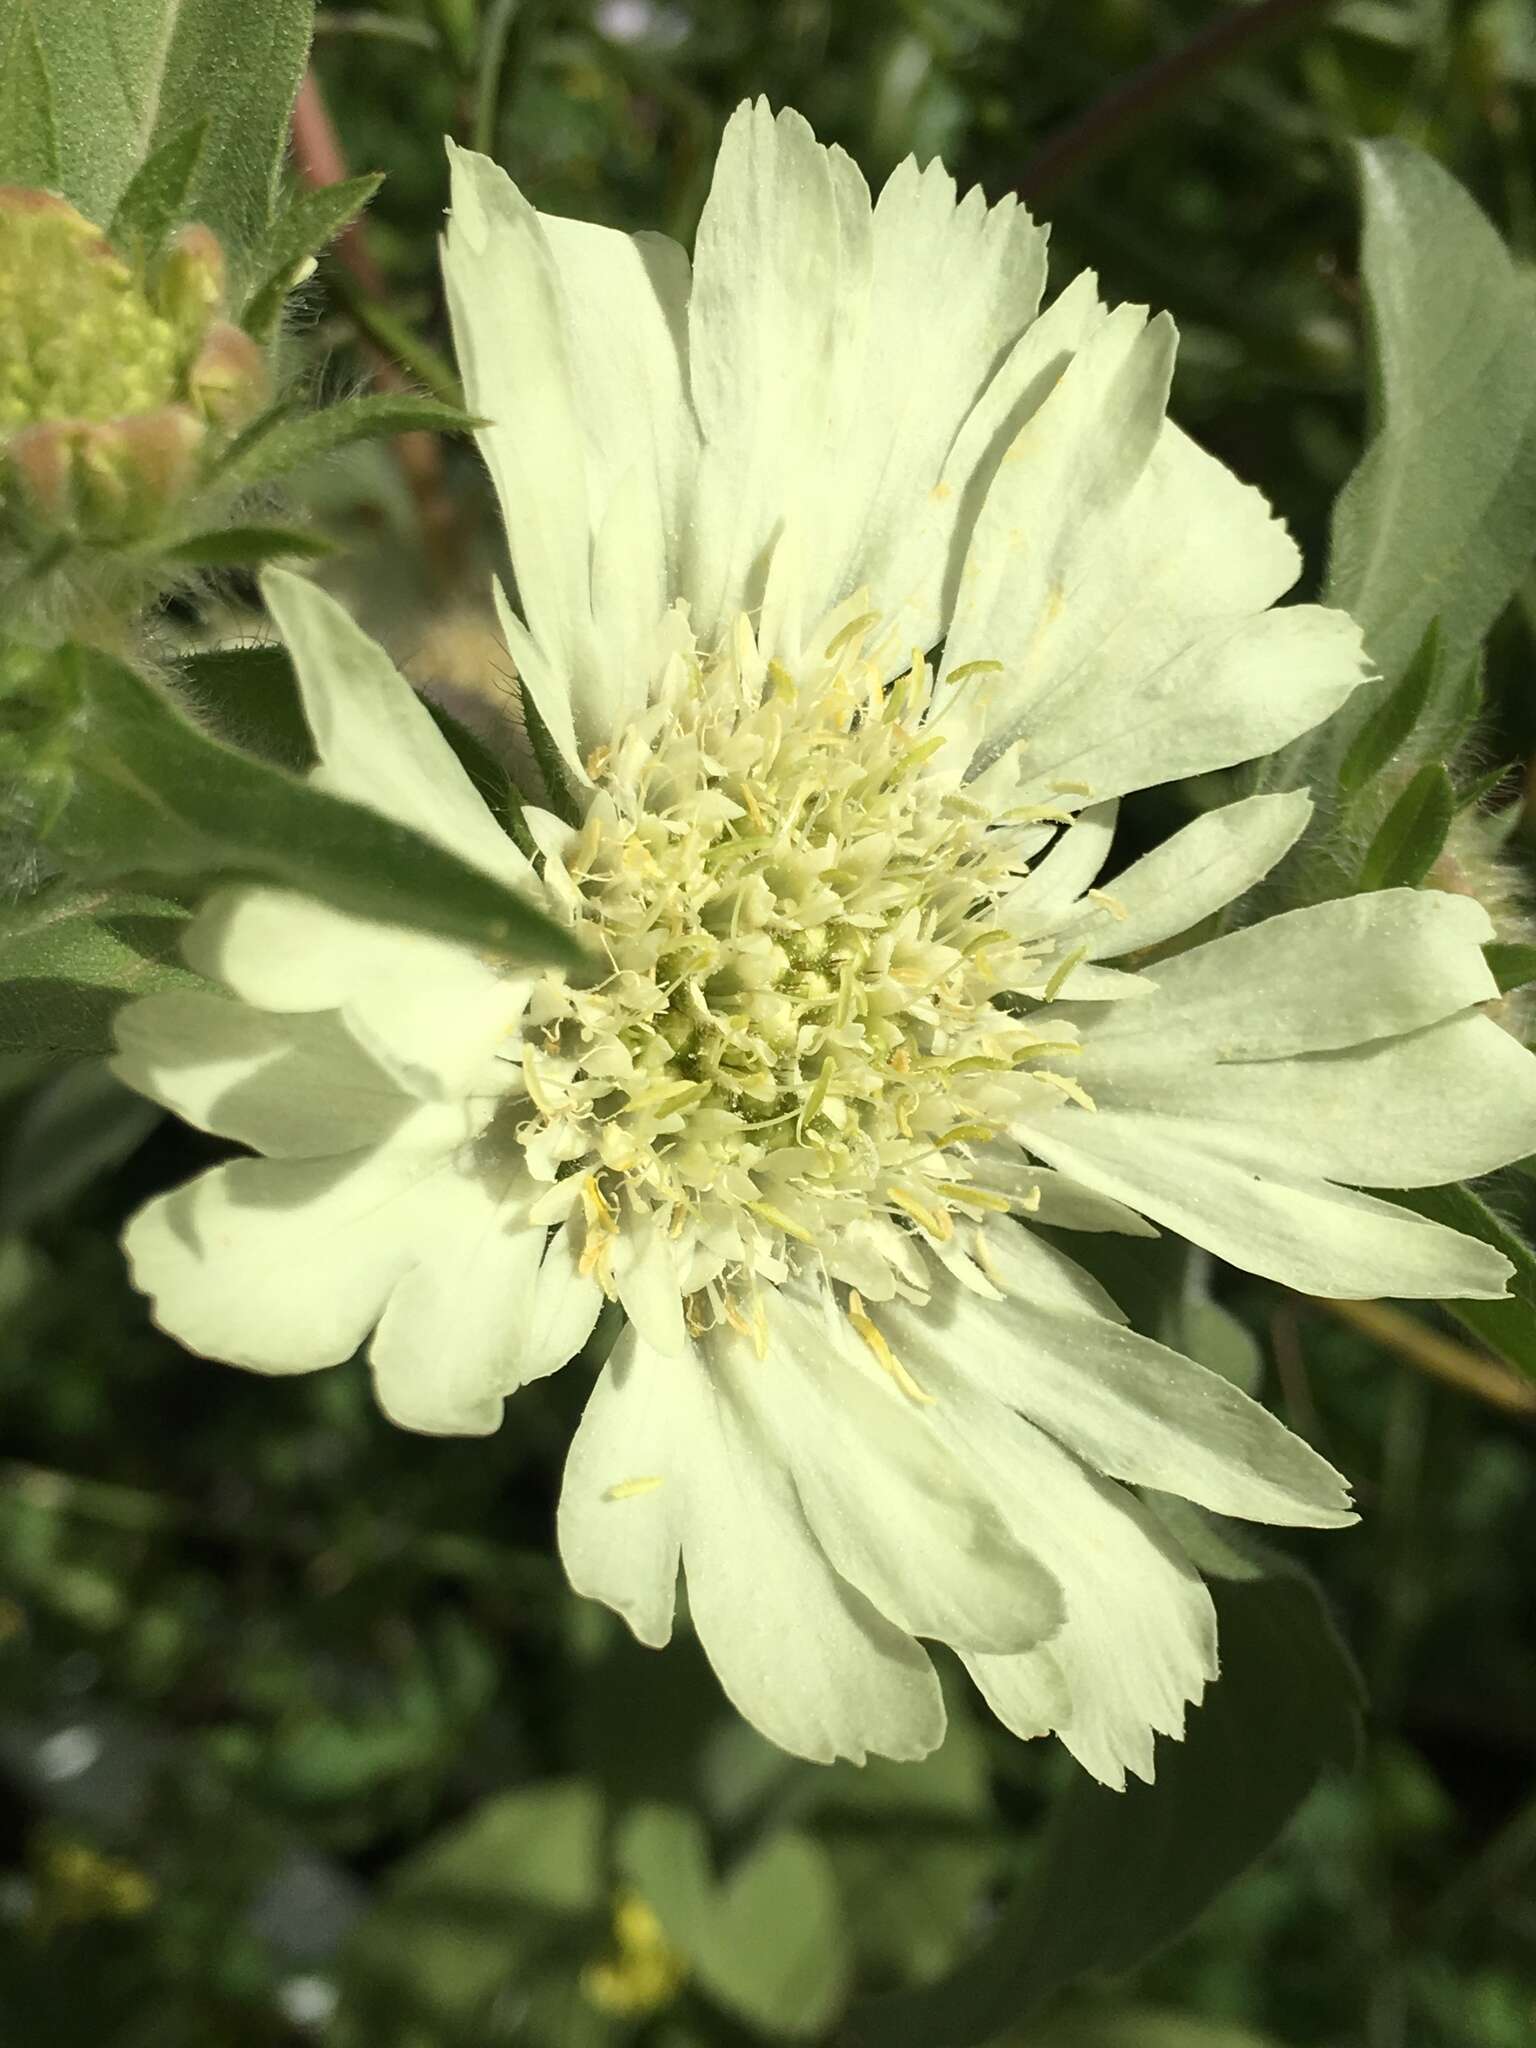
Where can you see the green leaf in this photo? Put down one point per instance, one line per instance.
(147, 792)
(157, 197)
(1391, 724)
(1512, 966)
(247, 547)
(79, 1125)
(96, 87)
(70, 959)
(1121, 1873)
(768, 1941)
(1409, 839)
(1439, 519)
(1143, 2027)
(307, 224)
(31, 149)
(285, 441)
(472, 1911)
(250, 697)
(1507, 1326)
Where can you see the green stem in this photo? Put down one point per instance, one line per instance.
(1112, 122)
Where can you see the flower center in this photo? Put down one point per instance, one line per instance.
(815, 1012)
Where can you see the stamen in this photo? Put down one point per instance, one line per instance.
(885, 1357)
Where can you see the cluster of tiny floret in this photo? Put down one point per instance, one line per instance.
(815, 1014)
(79, 339)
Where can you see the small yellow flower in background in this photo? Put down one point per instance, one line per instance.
(643, 1973)
(853, 591)
(75, 1883)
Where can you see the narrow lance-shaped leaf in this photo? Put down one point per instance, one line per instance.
(306, 225)
(1387, 731)
(160, 190)
(284, 440)
(246, 547)
(1411, 836)
(1121, 1873)
(141, 790)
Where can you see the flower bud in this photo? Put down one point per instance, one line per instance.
(190, 282)
(228, 379)
(40, 466)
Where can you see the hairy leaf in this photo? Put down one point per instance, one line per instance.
(1508, 1326)
(71, 959)
(1391, 724)
(148, 792)
(247, 547)
(1410, 837)
(285, 440)
(159, 191)
(308, 222)
(1439, 520)
(94, 87)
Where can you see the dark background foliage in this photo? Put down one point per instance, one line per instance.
(301, 1738)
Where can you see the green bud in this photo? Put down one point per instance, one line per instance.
(228, 380)
(78, 338)
(190, 282)
(112, 386)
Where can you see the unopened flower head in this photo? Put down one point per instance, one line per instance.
(852, 593)
(109, 376)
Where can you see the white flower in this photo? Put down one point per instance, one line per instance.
(852, 595)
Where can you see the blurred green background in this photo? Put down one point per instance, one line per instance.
(301, 1737)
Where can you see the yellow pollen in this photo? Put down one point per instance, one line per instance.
(1066, 1084)
(632, 1489)
(1062, 970)
(1112, 904)
(780, 1221)
(966, 1134)
(935, 1222)
(974, 668)
(849, 635)
(980, 1198)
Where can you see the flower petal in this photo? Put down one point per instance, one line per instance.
(283, 1265)
(623, 1500)
(295, 1087)
(670, 1459)
(432, 1014)
(1444, 1103)
(1310, 980)
(952, 287)
(776, 327)
(898, 1515)
(1128, 1407)
(1139, 1643)
(1121, 576)
(1196, 872)
(1296, 1229)
(376, 739)
(449, 1344)
(515, 358)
